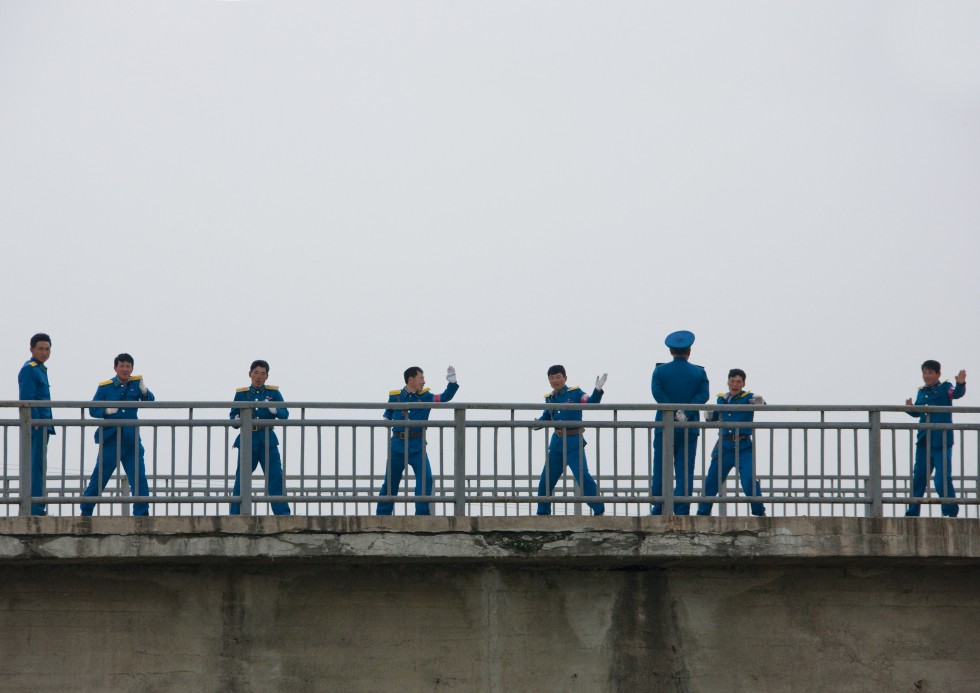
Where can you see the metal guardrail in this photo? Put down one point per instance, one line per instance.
(487, 459)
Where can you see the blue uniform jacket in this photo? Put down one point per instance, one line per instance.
(939, 395)
(33, 382)
(267, 393)
(570, 395)
(421, 414)
(733, 416)
(679, 382)
(115, 391)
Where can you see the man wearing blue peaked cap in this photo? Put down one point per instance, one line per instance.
(678, 382)
(682, 339)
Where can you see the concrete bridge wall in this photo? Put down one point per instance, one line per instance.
(508, 604)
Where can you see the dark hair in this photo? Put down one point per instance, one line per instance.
(736, 371)
(39, 337)
(932, 365)
(680, 352)
(259, 363)
(411, 372)
(123, 358)
(554, 370)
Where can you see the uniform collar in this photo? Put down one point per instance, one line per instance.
(256, 390)
(558, 393)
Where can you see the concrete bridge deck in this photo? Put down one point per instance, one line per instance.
(489, 604)
(518, 540)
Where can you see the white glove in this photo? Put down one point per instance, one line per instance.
(601, 381)
(143, 389)
(757, 399)
(110, 411)
(274, 411)
(679, 415)
(451, 375)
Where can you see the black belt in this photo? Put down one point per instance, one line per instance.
(562, 432)
(405, 435)
(743, 437)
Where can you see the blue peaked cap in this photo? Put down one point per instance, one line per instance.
(682, 339)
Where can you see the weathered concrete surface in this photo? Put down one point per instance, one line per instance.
(521, 539)
(520, 604)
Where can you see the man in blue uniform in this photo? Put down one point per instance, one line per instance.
(567, 446)
(408, 444)
(678, 382)
(934, 447)
(33, 385)
(119, 443)
(265, 443)
(734, 446)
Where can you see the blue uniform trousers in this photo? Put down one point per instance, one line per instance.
(273, 474)
(732, 453)
(109, 453)
(39, 454)
(942, 476)
(419, 462)
(571, 454)
(685, 449)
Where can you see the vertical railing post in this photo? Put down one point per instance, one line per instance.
(245, 461)
(874, 464)
(667, 464)
(25, 461)
(459, 463)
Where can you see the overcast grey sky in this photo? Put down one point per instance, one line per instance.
(347, 189)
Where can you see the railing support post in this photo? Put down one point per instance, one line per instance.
(245, 461)
(24, 506)
(459, 462)
(875, 509)
(667, 462)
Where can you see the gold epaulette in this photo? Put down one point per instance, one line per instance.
(107, 382)
(271, 387)
(242, 389)
(422, 392)
(722, 395)
(392, 393)
(573, 388)
(136, 377)
(32, 363)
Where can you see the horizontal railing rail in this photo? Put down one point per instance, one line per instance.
(488, 458)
